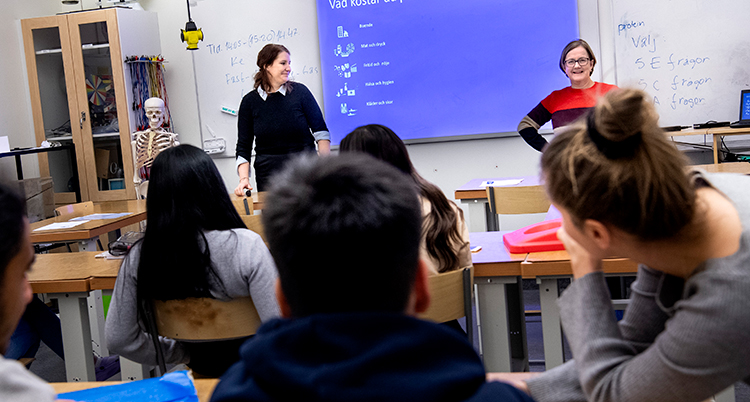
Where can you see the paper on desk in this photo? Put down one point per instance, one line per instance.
(4, 144)
(101, 216)
(60, 225)
(501, 183)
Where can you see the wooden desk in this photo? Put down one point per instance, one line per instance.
(67, 277)
(726, 167)
(717, 133)
(88, 232)
(502, 330)
(481, 219)
(204, 387)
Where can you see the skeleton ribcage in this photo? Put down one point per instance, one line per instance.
(148, 145)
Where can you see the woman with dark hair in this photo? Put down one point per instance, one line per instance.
(195, 245)
(563, 107)
(281, 116)
(624, 190)
(445, 237)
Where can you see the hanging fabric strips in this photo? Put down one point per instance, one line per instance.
(147, 76)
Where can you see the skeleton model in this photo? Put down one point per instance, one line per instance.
(148, 143)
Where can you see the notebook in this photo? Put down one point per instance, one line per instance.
(744, 110)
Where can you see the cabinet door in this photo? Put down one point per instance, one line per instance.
(101, 101)
(50, 72)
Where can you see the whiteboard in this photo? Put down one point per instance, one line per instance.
(691, 56)
(234, 32)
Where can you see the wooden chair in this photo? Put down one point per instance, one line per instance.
(244, 205)
(517, 200)
(203, 319)
(254, 223)
(74, 210)
(451, 296)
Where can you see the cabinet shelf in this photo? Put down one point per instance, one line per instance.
(85, 46)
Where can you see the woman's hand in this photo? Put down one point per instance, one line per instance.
(581, 260)
(517, 380)
(244, 184)
(324, 147)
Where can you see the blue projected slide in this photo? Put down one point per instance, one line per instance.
(437, 68)
(745, 112)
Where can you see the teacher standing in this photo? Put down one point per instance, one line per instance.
(563, 107)
(281, 116)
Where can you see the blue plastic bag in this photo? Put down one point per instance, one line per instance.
(171, 387)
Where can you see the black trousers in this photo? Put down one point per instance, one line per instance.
(267, 165)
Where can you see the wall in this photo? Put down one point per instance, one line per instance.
(447, 164)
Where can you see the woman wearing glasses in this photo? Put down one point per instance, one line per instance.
(568, 104)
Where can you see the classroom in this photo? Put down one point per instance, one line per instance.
(627, 50)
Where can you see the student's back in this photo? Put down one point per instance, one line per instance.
(195, 245)
(349, 333)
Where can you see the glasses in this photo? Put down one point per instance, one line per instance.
(583, 62)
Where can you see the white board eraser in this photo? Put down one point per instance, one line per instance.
(229, 110)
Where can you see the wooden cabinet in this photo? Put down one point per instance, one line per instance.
(81, 92)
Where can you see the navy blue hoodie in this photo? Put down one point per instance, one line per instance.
(359, 357)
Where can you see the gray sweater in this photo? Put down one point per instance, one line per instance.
(245, 268)
(18, 384)
(680, 340)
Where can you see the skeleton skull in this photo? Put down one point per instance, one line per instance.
(155, 112)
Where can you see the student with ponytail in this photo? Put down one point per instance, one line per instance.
(624, 190)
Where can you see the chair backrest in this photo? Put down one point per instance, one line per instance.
(254, 223)
(73, 210)
(450, 298)
(517, 199)
(206, 319)
(244, 205)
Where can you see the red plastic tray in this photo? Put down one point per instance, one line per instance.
(540, 236)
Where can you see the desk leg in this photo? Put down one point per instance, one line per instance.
(495, 322)
(132, 371)
(76, 333)
(551, 328)
(480, 218)
(717, 144)
(88, 245)
(96, 317)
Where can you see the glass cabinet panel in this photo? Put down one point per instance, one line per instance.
(53, 96)
(100, 94)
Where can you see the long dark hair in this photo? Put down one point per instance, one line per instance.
(440, 229)
(186, 197)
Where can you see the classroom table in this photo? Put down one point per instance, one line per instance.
(718, 133)
(88, 233)
(204, 387)
(497, 277)
(726, 167)
(67, 278)
(547, 267)
(481, 219)
(35, 150)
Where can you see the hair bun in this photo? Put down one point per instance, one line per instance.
(617, 122)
